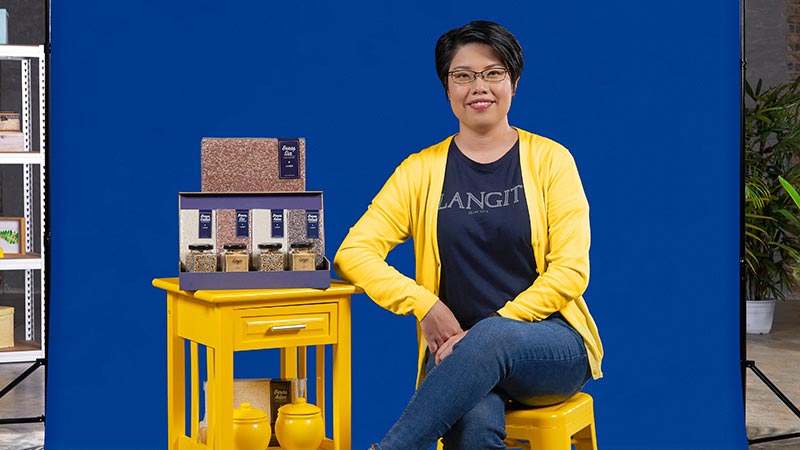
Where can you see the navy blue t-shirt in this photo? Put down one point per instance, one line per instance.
(484, 235)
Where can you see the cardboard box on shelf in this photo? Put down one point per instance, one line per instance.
(9, 121)
(3, 26)
(12, 141)
(6, 326)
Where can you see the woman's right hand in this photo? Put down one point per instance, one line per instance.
(438, 325)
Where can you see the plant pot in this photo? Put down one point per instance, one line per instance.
(759, 316)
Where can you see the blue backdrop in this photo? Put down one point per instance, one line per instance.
(645, 95)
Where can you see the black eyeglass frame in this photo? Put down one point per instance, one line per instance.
(476, 74)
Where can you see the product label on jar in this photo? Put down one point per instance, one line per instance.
(242, 223)
(303, 261)
(205, 224)
(277, 223)
(236, 263)
(312, 223)
(289, 158)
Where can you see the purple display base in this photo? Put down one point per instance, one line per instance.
(319, 279)
(250, 200)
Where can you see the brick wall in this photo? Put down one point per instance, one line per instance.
(793, 39)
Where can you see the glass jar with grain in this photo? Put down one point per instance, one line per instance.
(302, 256)
(201, 258)
(271, 257)
(235, 258)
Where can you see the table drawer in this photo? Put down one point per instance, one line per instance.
(285, 326)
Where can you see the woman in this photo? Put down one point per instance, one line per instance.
(501, 239)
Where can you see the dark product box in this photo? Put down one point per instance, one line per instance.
(218, 219)
(280, 393)
(253, 164)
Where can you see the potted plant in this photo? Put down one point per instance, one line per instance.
(772, 230)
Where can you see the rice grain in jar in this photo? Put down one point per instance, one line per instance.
(271, 258)
(201, 258)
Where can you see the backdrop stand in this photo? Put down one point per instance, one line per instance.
(746, 363)
(38, 363)
(752, 366)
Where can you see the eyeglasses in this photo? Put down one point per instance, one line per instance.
(493, 75)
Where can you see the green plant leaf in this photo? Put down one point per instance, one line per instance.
(12, 237)
(791, 190)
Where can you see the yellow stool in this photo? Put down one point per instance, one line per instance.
(554, 427)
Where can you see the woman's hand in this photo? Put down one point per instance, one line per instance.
(438, 326)
(447, 348)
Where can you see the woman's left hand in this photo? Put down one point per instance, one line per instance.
(447, 348)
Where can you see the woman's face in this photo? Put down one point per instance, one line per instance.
(480, 105)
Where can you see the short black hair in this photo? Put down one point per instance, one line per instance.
(504, 44)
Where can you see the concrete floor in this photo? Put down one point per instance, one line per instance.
(777, 354)
(24, 400)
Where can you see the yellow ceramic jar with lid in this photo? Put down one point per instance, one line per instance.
(299, 426)
(251, 430)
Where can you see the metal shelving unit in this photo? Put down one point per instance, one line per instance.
(31, 58)
(32, 159)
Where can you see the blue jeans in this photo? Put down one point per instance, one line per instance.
(500, 363)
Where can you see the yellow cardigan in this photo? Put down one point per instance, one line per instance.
(408, 204)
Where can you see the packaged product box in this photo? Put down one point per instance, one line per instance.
(3, 26)
(6, 326)
(280, 393)
(12, 141)
(9, 121)
(245, 220)
(253, 164)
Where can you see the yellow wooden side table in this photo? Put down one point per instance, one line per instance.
(226, 321)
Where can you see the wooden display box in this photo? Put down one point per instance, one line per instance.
(216, 201)
(6, 326)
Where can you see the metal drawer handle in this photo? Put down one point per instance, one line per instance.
(297, 327)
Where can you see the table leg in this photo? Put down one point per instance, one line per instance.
(223, 429)
(342, 379)
(211, 398)
(289, 362)
(176, 366)
(223, 375)
(320, 363)
(194, 391)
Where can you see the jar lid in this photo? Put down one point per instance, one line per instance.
(302, 245)
(235, 246)
(246, 412)
(270, 246)
(200, 246)
(299, 407)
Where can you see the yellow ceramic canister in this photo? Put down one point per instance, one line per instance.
(299, 426)
(251, 430)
